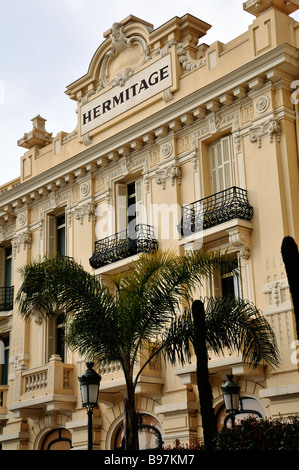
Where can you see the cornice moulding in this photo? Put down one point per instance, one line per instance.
(260, 65)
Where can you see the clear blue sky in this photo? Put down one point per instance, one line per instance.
(48, 44)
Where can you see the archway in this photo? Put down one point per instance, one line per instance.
(149, 433)
(57, 439)
(249, 406)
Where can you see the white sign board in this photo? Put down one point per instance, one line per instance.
(137, 89)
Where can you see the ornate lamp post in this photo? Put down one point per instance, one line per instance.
(89, 386)
(231, 397)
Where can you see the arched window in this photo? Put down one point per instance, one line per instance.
(149, 433)
(57, 439)
(248, 407)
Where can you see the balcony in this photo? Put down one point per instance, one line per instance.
(124, 244)
(113, 384)
(232, 203)
(45, 388)
(6, 298)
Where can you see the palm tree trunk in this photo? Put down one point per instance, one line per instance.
(131, 420)
(203, 383)
(290, 256)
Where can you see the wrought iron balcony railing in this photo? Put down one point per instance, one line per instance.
(121, 245)
(232, 203)
(6, 298)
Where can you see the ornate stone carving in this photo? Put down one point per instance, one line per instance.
(86, 140)
(268, 128)
(88, 209)
(278, 294)
(194, 159)
(184, 61)
(172, 172)
(24, 238)
(126, 165)
(22, 219)
(262, 104)
(240, 238)
(167, 96)
(85, 188)
(167, 150)
(119, 42)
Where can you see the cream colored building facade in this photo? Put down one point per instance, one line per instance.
(201, 143)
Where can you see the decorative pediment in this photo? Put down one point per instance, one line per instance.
(129, 44)
(124, 50)
(120, 42)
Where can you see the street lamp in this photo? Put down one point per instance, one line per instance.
(231, 396)
(89, 386)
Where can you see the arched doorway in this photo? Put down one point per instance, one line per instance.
(149, 433)
(57, 439)
(249, 406)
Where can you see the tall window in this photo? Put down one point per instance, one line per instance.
(56, 236)
(4, 360)
(56, 330)
(56, 245)
(227, 284)
(129, 206)
(60, 223)
(6, 288)
(221, 165)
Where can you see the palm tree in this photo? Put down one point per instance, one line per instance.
(290, 256)
(219, 324)
(105, 326)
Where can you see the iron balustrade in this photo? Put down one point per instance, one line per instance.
(137, 239)
(6, 298)
(232, 203)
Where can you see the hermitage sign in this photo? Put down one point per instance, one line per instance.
(137, 89)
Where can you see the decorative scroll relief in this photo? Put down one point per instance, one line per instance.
(6, 233)
(24, 238)
(120, 43)
(172, 172)
(269, 128)
(240, 238)
(186, 64)
(88, 209)
(277, 292)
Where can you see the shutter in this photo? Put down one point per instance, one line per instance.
(140, 212)
(227, 162)
(217, 289)
(220, 161)
(213, 169)
(51, 235)
(121, 207)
